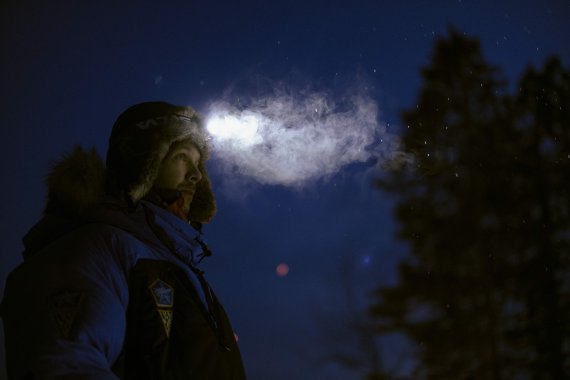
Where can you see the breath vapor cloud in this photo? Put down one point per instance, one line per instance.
(294, 139)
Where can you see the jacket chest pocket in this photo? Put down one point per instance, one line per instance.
(168, 327)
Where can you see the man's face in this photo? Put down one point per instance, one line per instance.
(179, 171)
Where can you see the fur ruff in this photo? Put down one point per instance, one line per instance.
(139, 142)
(75, 183)
(136, 150)
(203, 206)
(170, 134)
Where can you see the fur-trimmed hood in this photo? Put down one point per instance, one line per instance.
(141, 139)
(75, 184)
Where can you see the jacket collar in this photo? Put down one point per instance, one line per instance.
(185, 240)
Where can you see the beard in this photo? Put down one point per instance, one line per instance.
(176, 201)
(187, 197)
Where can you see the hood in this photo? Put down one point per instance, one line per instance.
(141, 138)
(75, 184)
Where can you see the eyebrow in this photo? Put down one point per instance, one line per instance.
(176, 150)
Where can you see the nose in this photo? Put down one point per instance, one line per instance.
(193, 173)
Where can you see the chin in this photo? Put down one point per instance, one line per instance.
(187, 203)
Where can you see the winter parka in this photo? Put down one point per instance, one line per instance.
(110, 286)
(118, 297)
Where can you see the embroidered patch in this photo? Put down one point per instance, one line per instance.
(163, 293)
(66, 305)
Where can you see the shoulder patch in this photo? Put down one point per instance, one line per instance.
(65, 306)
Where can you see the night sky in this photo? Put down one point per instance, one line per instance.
(68, 69)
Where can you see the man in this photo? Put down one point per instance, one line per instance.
(110, 286)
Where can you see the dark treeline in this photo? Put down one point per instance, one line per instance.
(484, 206)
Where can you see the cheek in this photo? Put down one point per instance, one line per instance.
(169, 176)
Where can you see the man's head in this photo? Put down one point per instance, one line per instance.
(180, 172)
(142, 150)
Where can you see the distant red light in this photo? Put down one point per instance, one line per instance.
(282, 270)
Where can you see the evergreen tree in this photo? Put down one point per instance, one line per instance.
(484, 207)
(543, 285)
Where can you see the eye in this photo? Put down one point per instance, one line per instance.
(181, 156)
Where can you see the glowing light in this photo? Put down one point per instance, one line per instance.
(236, 337)
(282, 270)
(243, 129)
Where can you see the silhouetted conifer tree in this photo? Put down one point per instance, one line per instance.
(542, 110)
(484, 206)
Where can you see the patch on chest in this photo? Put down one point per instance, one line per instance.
(163, 295)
